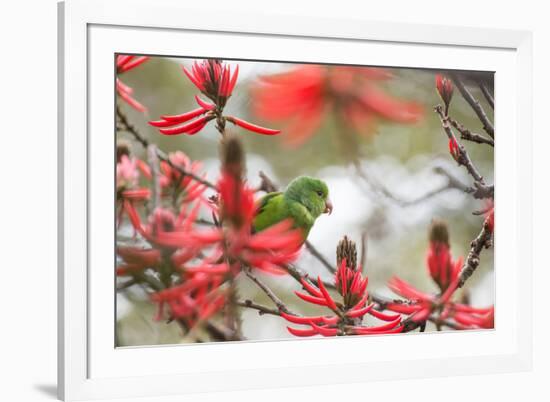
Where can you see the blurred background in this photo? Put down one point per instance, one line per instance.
(399, 158)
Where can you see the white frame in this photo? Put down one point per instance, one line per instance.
(75, 312)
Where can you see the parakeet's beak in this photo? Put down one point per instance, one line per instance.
(328, 206)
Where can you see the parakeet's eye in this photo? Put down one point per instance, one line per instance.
(319, 193)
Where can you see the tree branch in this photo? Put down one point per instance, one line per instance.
(261, 308)
(278, 302)
(155, 182)
(488, 95)
(483, 240)
(452, 183)
(317, 254)
(463, 157)
(467, 135)
(475, 105)
(409, 324)
(131, 129)
(364, 250)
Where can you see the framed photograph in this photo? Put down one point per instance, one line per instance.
(254, 201)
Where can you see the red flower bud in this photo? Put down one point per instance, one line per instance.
(445, 89)
(454, 149)
(439, 260)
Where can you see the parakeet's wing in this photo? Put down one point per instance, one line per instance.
(274, 208)
(270, 210)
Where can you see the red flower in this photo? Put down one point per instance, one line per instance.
(215, 81)
(184, 188)
(346, 316)
(442, 268)
(127, 175)
(237, 201)
(176, 123)
(196, 300)
(302, 97)
(137, 259)
(446, 273)
(490, 215)
(163, 229)
(454, 149)
(445, 89)
(126, 63)
(420, 305)
(472, 318)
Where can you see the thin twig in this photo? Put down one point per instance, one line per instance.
(451, 184)
(296, 272)
(409, 324)
(364, 251)
(267, 185)
(131, 129)
(155, 182)
(488, 95)
(453, 181)
(278, 302)
(122, 286)
(475, 105)
(467, 135)
(478, 191)
(317, 254)
(463, 157)
(261, 308)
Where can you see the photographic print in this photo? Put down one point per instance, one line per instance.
(263, 200)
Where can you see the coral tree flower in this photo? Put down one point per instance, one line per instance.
(420, 306)
(490, 215)
(216, 81)
(126, 173)
(348, 312)
(197, 295)
(126, 63)
(164, 232)
(137, 259)
(196, 300)
(474, 318)
(445, 90)
(441, 266)
(174, 182)
(454, 149)
(303, 96)
(127, 176)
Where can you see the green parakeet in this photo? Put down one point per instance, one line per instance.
(303, 201)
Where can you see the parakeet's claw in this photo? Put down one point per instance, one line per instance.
(328, 207)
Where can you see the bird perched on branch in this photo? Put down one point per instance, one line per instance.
(303, 201)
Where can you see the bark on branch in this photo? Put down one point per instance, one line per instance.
(475, 105)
